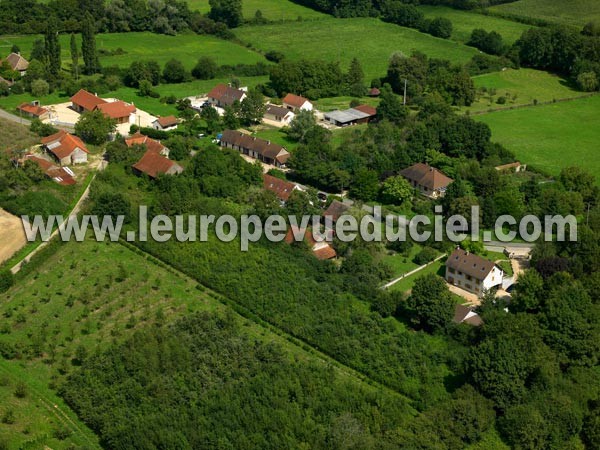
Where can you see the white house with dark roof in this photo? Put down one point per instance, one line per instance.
(279, 114)
(472, 272)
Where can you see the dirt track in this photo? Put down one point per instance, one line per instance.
(12, 236)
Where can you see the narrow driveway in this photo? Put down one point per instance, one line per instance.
(14, 118)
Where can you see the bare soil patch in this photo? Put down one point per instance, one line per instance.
(12, 236)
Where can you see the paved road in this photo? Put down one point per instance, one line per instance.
(14, 118)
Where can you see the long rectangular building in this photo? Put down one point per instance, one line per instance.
(261, 149)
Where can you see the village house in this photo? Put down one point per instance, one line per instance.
(154, 164)
(320, 250)
(472, 273)
(374, 92)
(336, 210)
(119, 111)
(465, 314)
(62, 175)
(17, 63)
(167, 123)
(428, 180)
(33, 110)
(152, 145)
(279, 114)
(83, 101)
(65, 148)
(281, 188)
(265, 151)
(222, 95)
(353, 116)
(295, 103)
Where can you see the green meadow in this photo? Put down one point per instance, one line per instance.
(368, 39)
(464, 22)
(149, 46)
(272, 10)
(552, 136)
(571, 12)
(520, 87)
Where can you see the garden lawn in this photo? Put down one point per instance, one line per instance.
(272, 10)
(149, 46)
(401, 264)
(407, 283)
(572, 12)
(464, 22)
(368, 39)
(527, 85)
(551, 137)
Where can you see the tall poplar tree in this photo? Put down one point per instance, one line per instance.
(74, 56)
(52, 47)
(91, 65)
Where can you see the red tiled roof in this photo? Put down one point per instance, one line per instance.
(290, 236)
(168, 121)
(226, 94)
(32, 109)
(425, 175)
(374, 92)
(87, 101)
(295, 100)
(325, 252)
(282, 189)
(117, 110)
(153, 164)
(67, 144)
(58, 174)
(151, 144)
(366, 109)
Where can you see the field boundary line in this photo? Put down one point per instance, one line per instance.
(532, 105)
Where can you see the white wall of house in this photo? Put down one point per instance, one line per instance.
(472, 284)
(79, 157)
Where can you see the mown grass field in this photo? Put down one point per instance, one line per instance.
(552, 136)
(370, 40)
(571, 12)
(464, 22)
(520, 87)
(272, 10)
(149, 46)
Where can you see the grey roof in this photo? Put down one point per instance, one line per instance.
(277, 110)
(470, 264)
(346, 116)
